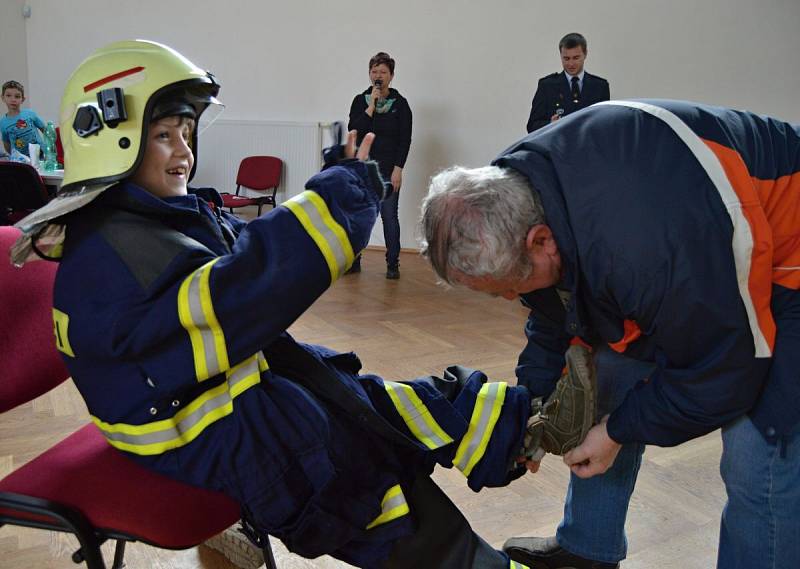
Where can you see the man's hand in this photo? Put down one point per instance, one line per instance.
(595, 454)
(397, 178)
(554, 118)
(531, 465)
(363, 150)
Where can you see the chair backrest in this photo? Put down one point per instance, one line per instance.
(31, 364)
(21, 187)
(259, 172)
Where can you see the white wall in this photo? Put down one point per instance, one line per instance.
(468, 69)
(13, 47)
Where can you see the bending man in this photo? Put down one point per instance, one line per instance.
(676, 244)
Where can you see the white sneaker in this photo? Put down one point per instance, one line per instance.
(237, 549)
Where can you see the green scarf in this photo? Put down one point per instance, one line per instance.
(382, 105)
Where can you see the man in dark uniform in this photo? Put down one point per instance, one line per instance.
(570, 90)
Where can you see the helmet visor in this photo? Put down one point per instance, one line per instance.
(194, 101)
(210, 114)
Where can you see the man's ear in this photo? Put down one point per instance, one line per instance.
(540, 240)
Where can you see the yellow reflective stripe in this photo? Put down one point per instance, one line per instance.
(416, 415)
(61, 331)
(246, 374)
(330, 237)
(481, 425)
(515, 565)
(262, 362)
(393, 506)
(196, 313)
(182, 428)
(179, 437)
(57, 251)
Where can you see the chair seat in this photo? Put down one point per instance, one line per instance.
(118, 495)
(230, 200)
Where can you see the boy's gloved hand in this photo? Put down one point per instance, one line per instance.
(342, 153)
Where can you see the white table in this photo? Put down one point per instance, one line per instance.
(54, 178)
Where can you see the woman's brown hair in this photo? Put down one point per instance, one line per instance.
(382, 57)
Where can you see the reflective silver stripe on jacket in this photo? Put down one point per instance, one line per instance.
(196, 313)
(393, 506)
(190, 421)
(330, 237)
(485, 414)
(416, 415)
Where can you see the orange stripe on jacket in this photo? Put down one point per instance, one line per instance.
(781, 201)
(760, 278)
(576, 341)
(630, 334)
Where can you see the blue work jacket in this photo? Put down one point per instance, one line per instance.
(678, 226)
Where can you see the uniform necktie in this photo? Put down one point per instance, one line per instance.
(576, 92)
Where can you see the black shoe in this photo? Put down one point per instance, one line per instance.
(393, 273)
(545, 553)
(355, 267)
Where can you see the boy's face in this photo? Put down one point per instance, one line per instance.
(13, 99)
(168, 159)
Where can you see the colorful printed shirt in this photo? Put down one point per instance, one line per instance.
(20, 130)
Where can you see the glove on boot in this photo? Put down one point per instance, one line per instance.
(560, 423)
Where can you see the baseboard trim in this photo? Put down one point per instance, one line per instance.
(383, 248)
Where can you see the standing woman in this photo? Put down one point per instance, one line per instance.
(385, 112)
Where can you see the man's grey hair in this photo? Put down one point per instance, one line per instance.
(475, 221)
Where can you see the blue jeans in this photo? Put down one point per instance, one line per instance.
(760, 523)
(593, 526)
(391, 229)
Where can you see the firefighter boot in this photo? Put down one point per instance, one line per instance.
(560, 423)
(237, 548)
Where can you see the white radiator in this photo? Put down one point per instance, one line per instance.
(226, 142)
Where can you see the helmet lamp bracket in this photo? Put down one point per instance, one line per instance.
(87, 121)
(112, 105)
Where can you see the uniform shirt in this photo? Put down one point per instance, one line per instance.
(569, 77)
(554, 96)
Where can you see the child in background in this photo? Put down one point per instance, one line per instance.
(19, 126)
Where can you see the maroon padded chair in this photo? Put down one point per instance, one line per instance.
(260, 173)
(59, 148)
(21, 191)
(82, 485)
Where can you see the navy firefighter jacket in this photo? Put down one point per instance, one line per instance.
(678, 226)
(164, 310)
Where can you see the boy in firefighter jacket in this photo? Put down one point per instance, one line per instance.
(171, 315)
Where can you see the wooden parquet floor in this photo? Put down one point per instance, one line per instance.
(403, 329)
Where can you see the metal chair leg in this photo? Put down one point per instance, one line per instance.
(119, 555)
(269, 558)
